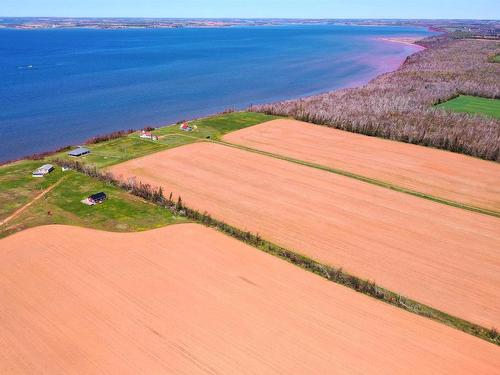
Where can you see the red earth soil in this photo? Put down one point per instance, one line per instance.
(439, 173)
(186, 299)
(439, 255)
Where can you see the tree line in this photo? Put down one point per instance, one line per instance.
(400, 105)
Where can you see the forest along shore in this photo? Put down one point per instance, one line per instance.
(401, 105)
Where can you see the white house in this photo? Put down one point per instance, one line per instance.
(148, 135)
(43, 170)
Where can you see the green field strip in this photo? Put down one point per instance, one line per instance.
(131, 146)
(473, 105)
(494, 58)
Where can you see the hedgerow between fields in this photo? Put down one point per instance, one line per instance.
(337, 275)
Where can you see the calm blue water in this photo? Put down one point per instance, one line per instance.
(60, 87)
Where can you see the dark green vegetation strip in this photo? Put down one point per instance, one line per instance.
(131, 146)
(337, 275)
(122, 212)
(369, 180)
(473, 105)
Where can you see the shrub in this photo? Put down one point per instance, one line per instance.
(42, 155)
(108, 137)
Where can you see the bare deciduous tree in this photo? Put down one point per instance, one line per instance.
(400, 105)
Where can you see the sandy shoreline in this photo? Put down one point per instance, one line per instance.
(409, 41)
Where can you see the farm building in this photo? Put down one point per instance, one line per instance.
(97, 198)
(185, 127)
(43, 170)
(80, 151)
(148, 135)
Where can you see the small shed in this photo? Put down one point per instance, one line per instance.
(97, 198)
(43, 170)
(80, 151)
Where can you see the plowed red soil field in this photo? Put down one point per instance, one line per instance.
(439, 173)
(186, 299)
(446, 257)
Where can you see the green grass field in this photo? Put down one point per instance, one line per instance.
(121, 212)
(121, 149)
(18, 187)
(473, 105)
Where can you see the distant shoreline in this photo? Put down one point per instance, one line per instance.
(404, 40)
(42, 23)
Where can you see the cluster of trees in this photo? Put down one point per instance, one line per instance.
(108, 137)
(400, 105)
(43, 155)
(157, 196)
(38, 155)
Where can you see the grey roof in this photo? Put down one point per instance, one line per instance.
(43, 169)
(79, 151)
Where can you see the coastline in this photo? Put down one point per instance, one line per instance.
(401, 106)
(391, 63)
(355, 84)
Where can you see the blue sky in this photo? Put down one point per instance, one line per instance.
(479, 9)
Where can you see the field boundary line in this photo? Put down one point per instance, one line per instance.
(331, 273)
(362, 178)
(27, 205)
(337, 171)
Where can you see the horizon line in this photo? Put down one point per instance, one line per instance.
(260, 18)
